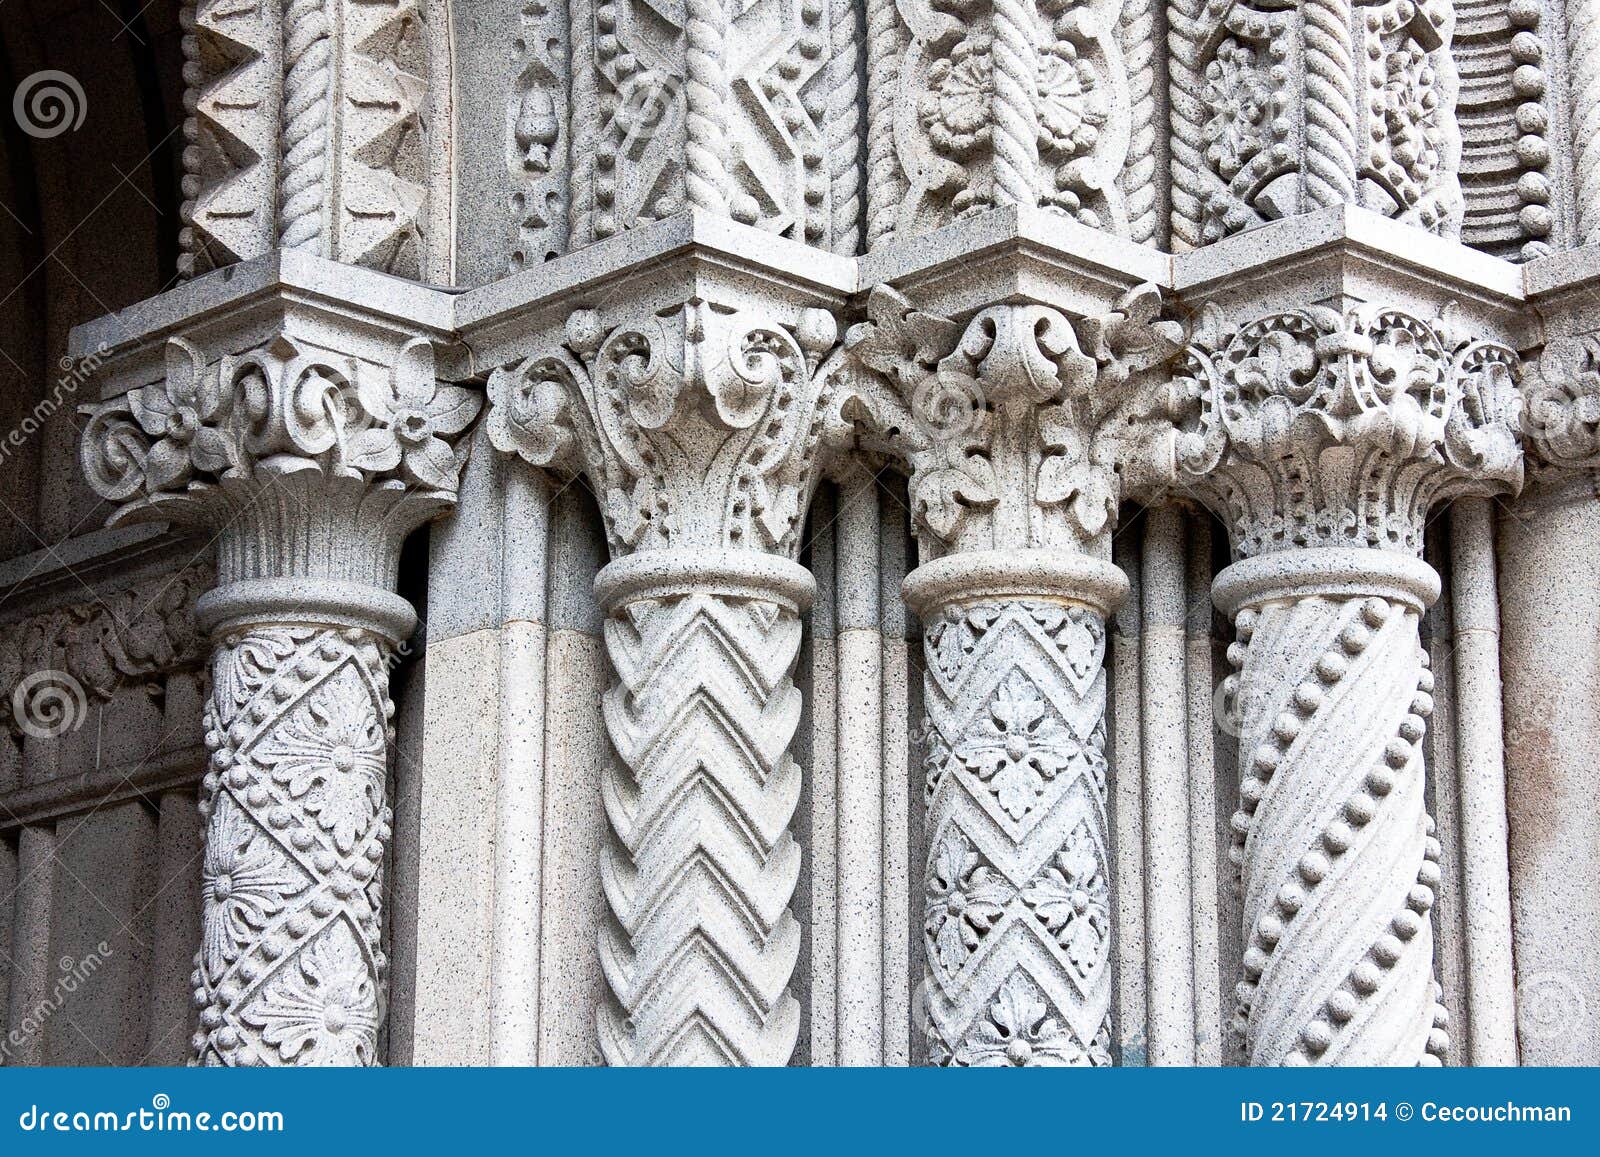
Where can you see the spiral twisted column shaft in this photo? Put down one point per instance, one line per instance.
(303, 171)
(1017, 926)
(290, 970)
(702, 945)
(1583, 63)
(705, 80)
(1015, 131)
(1330, 177)
(1339, 864)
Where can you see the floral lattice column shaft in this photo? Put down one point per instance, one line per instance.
(311, 468)
(1013, 490)
(699, 428)
(1323, 437)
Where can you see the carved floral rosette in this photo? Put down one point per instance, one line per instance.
(1373, 123)
(1011, 102)
(1561, 416)
(1317, 427)
(748, 111)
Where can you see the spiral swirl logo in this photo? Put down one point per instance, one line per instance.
(948, 404)
(1550, 1005)
(48, 104)
(649, 103)
(48, 704)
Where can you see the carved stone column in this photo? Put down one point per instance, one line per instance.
(1014, 496)
(1280, 109)
(1550, 620)
(698, 428)
(310, 466)
(1322, 437)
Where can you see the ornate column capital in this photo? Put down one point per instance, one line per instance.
(1006, 422)
(699, 426)
(1341, 426)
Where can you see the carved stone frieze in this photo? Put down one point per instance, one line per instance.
(141, 633)
(1009, 102)
(1372, 123)
(748, 111)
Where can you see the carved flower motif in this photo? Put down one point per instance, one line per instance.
(955, 108)
(180, 414)
(1071, 899)
(528, 409)
(1414, 138)
(963, 902)
(322, 1009)
(245, 882)
(1019, 1031)
(1071, 108)
(1242, 106)
(1020, 747)
(412, 411)
(331, 753)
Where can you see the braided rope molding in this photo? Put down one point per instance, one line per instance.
(1339, 863)
(705, 81)
(1017, 917)
(886, 184)
(1015, 131)
(1330, 105)
(843, 130)
(1186, 36)
(699, 956)
(302, 180)
(1583, 63)
(1137, 33)
(290, 969)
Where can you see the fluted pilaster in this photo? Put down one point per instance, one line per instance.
(310, 468)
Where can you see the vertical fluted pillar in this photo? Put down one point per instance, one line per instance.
(1330, 685)
(700, 429)
(1014, 590)
(310, 487)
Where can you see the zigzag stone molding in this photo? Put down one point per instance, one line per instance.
(700, 428)
(1322, 437)
(311, 467)
(308, 127)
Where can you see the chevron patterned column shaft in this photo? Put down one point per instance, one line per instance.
(1339, 863)
(699, 877)
(1017, 914)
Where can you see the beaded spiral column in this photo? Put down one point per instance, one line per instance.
(1013, 491)
(1323, 438)
(310, 469)
(699, 427)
